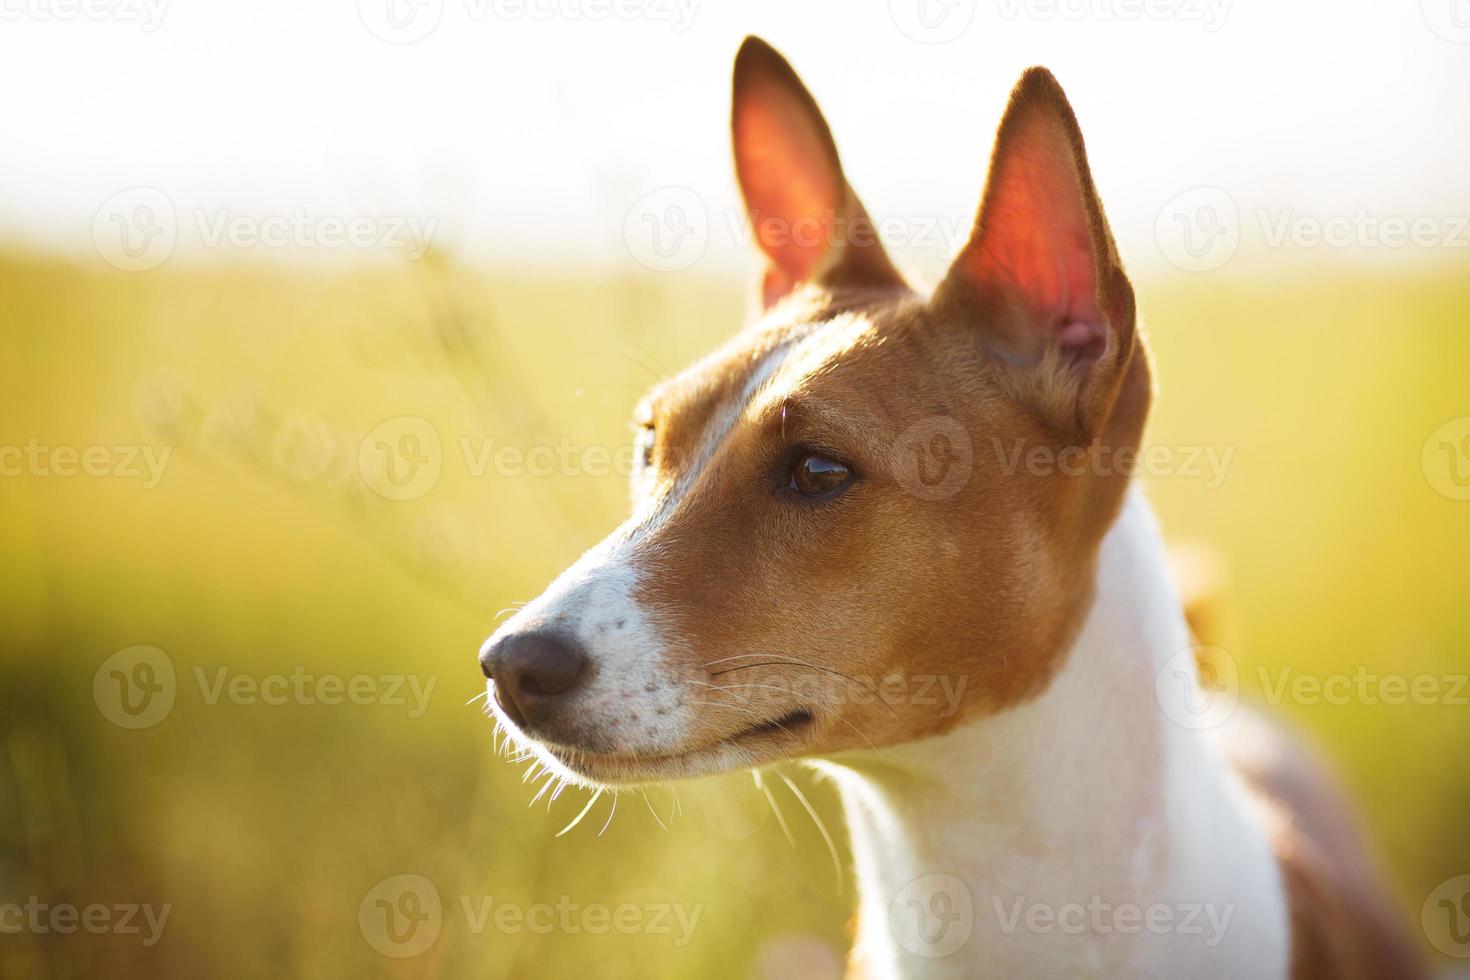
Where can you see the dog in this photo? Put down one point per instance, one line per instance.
(817, 530)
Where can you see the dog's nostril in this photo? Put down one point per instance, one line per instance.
(531, 670)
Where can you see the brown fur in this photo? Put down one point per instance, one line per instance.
(1344, 922)
(989, 584)
(786, 608)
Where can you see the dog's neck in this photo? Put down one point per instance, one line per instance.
(1084, 830)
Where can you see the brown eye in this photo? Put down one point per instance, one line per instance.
(643, 445)
(816, 476)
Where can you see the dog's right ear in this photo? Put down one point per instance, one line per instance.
(1040, 279)
(807, 221)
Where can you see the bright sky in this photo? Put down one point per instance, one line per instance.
(529, 129)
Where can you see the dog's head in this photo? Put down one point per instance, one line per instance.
(873, 514)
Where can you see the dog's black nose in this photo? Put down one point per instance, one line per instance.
(531, 670)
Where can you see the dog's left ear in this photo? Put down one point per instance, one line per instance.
(1040, 276)
(806, 218)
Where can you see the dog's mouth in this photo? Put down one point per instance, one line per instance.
(760, 743)
(788, 723)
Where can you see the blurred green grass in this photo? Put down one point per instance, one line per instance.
(261, 550)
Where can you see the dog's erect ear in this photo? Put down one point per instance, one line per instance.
(1040, 275)
(807, 221)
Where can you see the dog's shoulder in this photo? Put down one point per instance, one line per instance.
(1345, 922)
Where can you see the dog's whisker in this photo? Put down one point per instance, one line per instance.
(578, 818)
(649, 803)
(610, 815)
(760, 784)
(546, 784)
(821, 827)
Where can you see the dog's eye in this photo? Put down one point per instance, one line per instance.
(815, 475)
(643, 445)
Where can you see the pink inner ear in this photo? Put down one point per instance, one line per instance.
(1079, 333)
(1036, 236)
(790, 181)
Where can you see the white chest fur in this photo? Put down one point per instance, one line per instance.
(1084, 833)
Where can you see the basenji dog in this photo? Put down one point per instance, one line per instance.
(819, 534)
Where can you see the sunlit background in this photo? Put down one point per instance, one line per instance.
(320, 325)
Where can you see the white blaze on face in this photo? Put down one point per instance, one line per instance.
(633, 698)
(628, 700)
